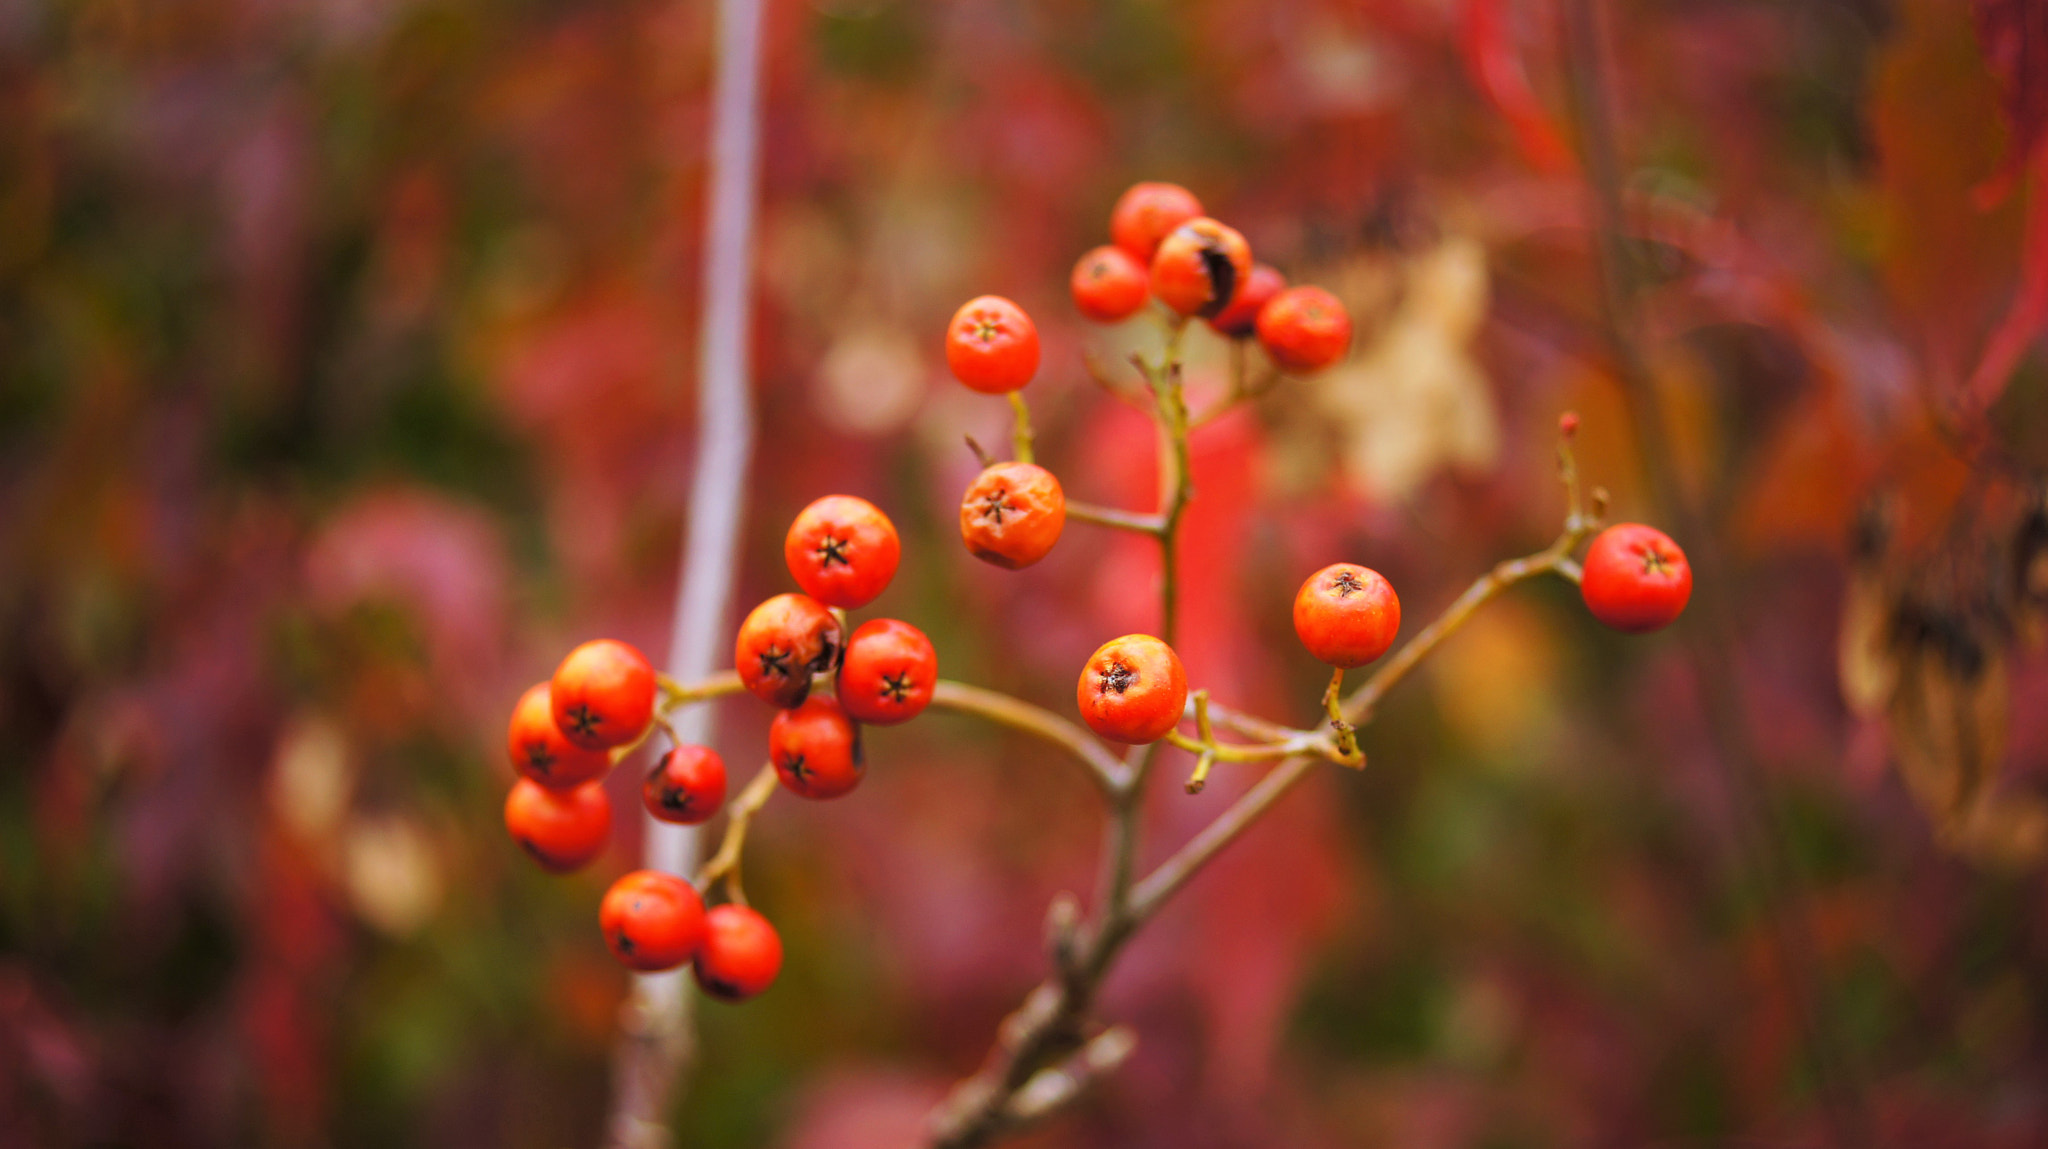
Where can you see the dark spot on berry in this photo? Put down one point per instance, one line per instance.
(1222, 279)
(831, 550)
(986, 329)
(775, 663)
(828, 654)
(539, 757)
(581, 719)
(1119, 677)
(675, 799)
(993, 506)
(1347, 584)
(622, 942)
(896, 687)
(721, 989)
(797, 770)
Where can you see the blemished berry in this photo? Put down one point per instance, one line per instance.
(889, 672)
(602, 694)
(1109, 285)
(687, 786)
(1012, 514)
(781, 644)
(1304, 329)
(740, 956)
(1147, 213)
(992, 345)
(562, 829)
(1240, 319)
(1200, 267)
(651, 920)
(816, 749)
(842, 550)
(1635, 578)
(541, 752)
(1347, 615)
(1132, 689)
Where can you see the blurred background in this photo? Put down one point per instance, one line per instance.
(346, 380)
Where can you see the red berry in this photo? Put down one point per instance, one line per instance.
(1199, 268)
(1304, 329)
(686, 787)
(1636, 579)
(842, 550)
(1241, 317)
(603, 694)
(542, 753)
(1132, 689)
(816, 749)
(1108, 285)
(651, 920)
(1012, 514)
(991, 345)
(740, 956)
(1346, 614)
(1148, 213)
(889, 672)
(563, 830)
(782, 643)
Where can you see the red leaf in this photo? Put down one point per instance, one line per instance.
(2015, 38)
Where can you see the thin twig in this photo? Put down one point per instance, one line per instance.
(1104, 769)
(739, 814)
(1110, 517)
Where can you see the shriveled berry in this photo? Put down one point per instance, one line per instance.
(1241, 318)
(782, 643)
(1200, 267)
(1012, 514)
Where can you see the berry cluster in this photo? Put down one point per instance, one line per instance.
(842, 551)
(567, 733)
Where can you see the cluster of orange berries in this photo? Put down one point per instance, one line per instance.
(843, 552)
(567, 733)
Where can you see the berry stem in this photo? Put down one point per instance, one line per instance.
(1020, 438)
(1345, 736)
(1107, 772)
(724, 866)
(1110, 517)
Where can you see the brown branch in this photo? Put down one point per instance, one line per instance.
(1111, 517)
(1107, 772)
(739, 814)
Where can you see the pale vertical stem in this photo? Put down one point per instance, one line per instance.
(654, 1047)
